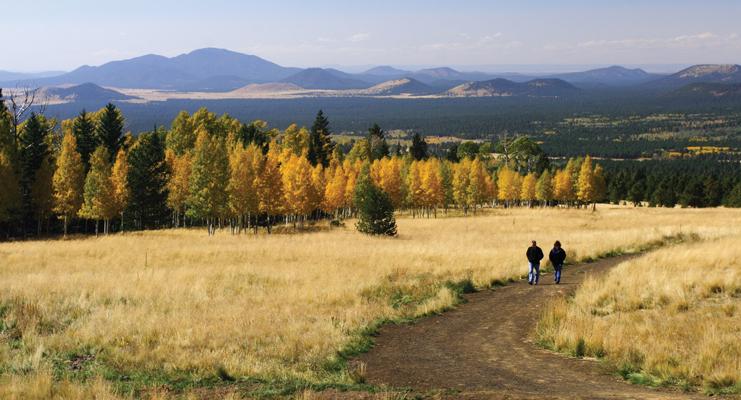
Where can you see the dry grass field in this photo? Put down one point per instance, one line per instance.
(672, 316)
(178, 309)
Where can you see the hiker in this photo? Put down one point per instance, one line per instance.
(534, 255)
(557, 257)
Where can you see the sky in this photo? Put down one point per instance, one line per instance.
(45, 35)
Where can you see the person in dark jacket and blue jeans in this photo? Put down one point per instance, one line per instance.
(534, 255)
(557, 257)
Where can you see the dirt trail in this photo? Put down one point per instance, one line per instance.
(484, 349)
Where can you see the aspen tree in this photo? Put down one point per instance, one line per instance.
(68, 181)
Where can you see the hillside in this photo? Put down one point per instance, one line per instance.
(610, 76)
(708, 73)
(385, 70)
(325, 78)
(85, 93)
(709, 90)
(403, 86)
(203, 69)
(504, 88)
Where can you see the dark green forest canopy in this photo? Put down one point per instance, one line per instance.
(633, 126)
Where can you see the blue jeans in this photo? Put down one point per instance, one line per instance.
(534, 274)
(557, 271)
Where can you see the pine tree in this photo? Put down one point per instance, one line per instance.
(418, 150)
(99, 203)
(207, 198)
(10, 195)
(42, 192)
(544, 188)
(83, 128)
(109, 128)
(320, 141)
(147, 178)
(68, 181)
(34, 150)
(120, 184)
(377, 146)
(375, 211)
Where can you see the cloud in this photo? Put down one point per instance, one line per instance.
(693, 40)
(467, 42)
(358, 37)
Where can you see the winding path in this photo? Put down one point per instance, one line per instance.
(484, 349)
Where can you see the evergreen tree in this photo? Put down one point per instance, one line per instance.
(418, 150)
(209, 179)
(84, 130)
(10, 195)
(377, 146)
(320, 141)
(147, 179)
(733, 199)
(68, 181)
(42, 193)
(452, 153)
(694, 194)
(109, 129)
(99, 202)
(375, 211)
(713, 192)
(34, 150)
(255, 133)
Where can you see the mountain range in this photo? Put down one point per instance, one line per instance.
(223, 71)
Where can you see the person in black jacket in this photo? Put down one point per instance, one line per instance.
(557, 257)
(534, 255)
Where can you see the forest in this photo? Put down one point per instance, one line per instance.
(614, 125)
(85, 175)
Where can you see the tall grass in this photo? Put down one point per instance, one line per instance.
(669, 317)
(178, 308)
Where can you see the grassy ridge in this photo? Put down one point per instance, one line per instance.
(267, 315)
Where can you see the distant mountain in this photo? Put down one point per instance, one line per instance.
(386, 70)
(505, 88)
(610, 76)
(703, 91)
(18, 76)
(403, 86)
(204, 69)
(708, 73)
(85, 93)
(325, 78)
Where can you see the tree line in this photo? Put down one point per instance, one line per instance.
(215, 171)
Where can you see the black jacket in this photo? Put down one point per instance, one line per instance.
(534, 254)
(557, 256)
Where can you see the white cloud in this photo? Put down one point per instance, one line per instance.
(467, 42)
(693, 40)
(359, 37)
